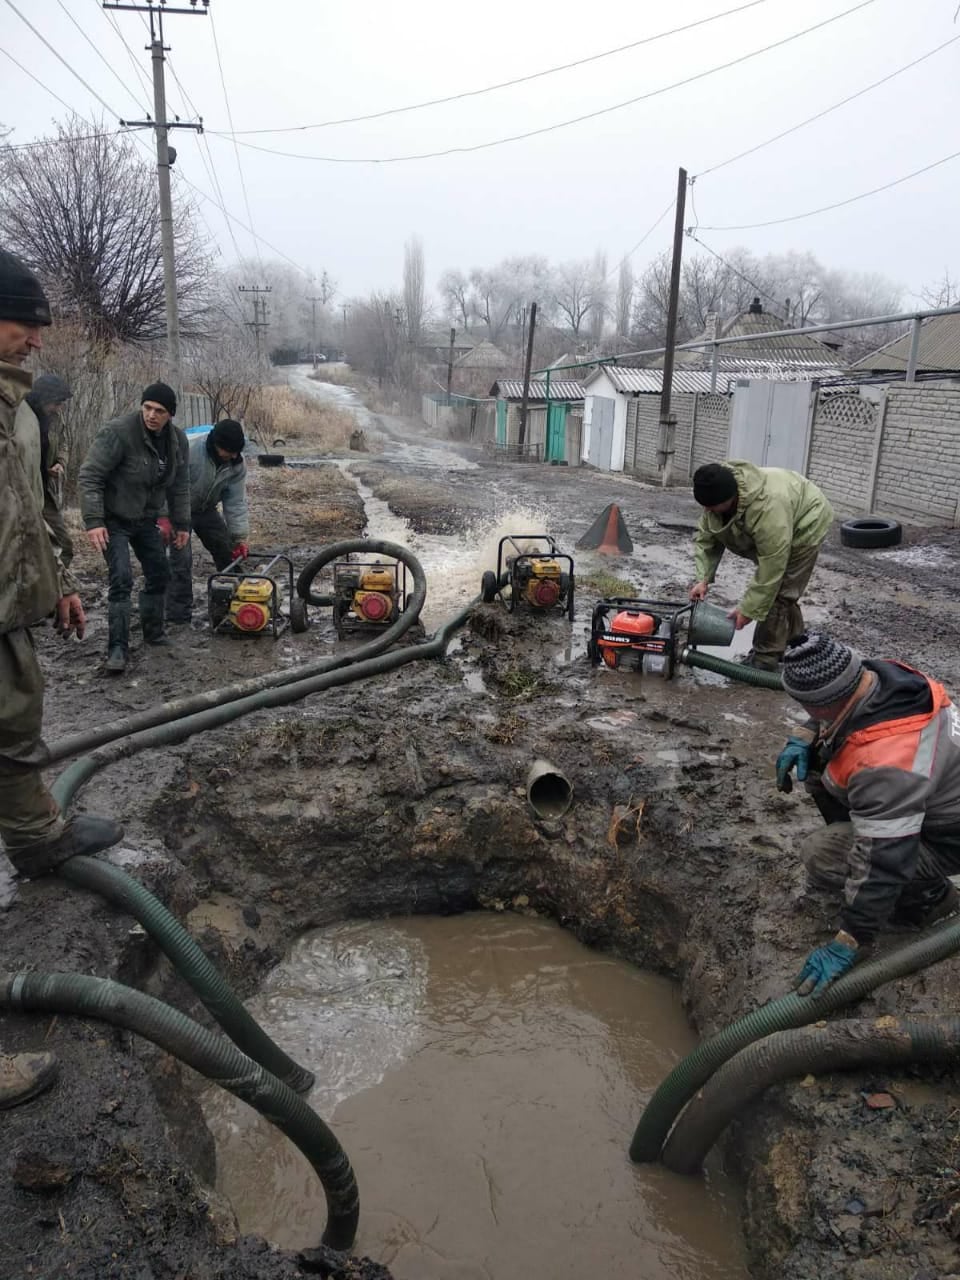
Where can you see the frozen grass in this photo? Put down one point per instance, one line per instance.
(298, 418)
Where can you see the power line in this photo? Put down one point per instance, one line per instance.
(643, 239)
(827, 110)
(130, 54)
(38, 81)
(106, 106)
(226, 99)
(123, 84)
(562, 124)
(505, 84)
(57, 142)
(730, 267)
(839, 204)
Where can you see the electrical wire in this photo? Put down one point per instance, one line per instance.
(838, 204)
(561, 124)
(123, 84)
(691, 234)
(643, 239)
(36, 80)
(243, 184)
(56, 142)
(76, 75)
(504, 84)
(827, 110)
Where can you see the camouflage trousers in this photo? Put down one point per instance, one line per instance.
(28, 812)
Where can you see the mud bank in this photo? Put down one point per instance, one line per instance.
(404, 795)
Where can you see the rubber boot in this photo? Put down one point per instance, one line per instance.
(151, 619)
(84, 834)
(118, 637)
(24, 1075)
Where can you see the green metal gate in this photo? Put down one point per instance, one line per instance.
(556, 443)
(501, 422)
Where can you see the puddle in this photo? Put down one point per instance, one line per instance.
(484, 1073)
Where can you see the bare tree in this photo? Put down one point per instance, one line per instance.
(454, 289)
(225, 371)
(573, 292)
(944, 293)
(413, 288)
(624, 302)
(599, 296)
(374, 336)
(83, 212)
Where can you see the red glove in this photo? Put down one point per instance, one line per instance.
(240, 551)
(166, 530)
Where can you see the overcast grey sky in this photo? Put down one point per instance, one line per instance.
(599, 184)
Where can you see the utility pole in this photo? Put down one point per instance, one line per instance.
(668, 422)
(453, 339)
(259, 314)
(313, 303)
(522, 434)
(166, 155)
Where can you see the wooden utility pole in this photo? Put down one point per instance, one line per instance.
(668, 422)
(453, 339)
(259, 314)
(165, 158)
(313, 303)
(522, 434)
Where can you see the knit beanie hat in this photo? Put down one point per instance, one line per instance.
(21, 295)
(49, 389)
(818, 671)
(160, 393)
(714, 484)
(228, 435)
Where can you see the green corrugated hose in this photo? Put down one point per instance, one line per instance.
(213, 1057)
(847, 1045)
(732, 670)
(778, 1015)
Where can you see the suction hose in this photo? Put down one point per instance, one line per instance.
(732, 670)
(832, 1046)
(778, 1015)
(166, 712)
(214, 1058)
(191, 963)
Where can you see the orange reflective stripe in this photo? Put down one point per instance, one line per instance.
(890, 744)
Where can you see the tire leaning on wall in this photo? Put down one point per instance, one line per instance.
(867, 532)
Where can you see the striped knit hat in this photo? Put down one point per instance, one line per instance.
(818, 671)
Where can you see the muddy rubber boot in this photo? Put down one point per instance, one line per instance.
(118, 638)
(151, 619)
(84, 834)
(24, 1075)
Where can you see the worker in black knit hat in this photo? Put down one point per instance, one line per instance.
(136, 472)
(218, 479)
(777, 519)
(881, 758)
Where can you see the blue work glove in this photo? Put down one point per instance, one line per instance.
(798, 753)
(823, 966)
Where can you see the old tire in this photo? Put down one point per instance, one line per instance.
(871, 531)
(488, 587)
(299, 618)
(270, 459)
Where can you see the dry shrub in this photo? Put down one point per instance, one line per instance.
(296, 417)
(338, 374)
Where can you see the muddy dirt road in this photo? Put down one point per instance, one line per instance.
(404, 796)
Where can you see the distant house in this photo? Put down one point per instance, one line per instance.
(612, 407)
(554, 430)
(939, 351)
(476, 368)
(800, 358)
(434, 345)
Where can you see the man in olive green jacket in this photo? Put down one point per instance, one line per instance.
(137, 470)
(777, 519)
(35, 835)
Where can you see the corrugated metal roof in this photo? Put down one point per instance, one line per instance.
(939, 348)
(729, 371)
(560, 389)
(652, 379)
(484, 356)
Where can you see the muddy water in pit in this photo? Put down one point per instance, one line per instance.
(484, 1073)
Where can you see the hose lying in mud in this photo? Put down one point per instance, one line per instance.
(165, 712)
(190, 962)
(219, 1061)
(832, 1046)
(676, 1090)
(176, 943)
(732, 670)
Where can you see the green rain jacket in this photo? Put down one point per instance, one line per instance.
(778, 512)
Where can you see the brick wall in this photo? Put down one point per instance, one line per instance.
(919, 472)
(842, 449)
(711, 432)
(712, 438)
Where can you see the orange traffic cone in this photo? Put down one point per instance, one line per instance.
(608, 534)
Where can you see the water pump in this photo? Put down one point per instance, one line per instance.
(652, 636)
(530, 569)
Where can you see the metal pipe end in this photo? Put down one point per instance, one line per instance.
(549, 791)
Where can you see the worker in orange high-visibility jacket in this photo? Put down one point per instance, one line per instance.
(881, 757)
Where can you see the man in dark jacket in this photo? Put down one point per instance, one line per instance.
(218, 477)
(47, 399)
(35, 834)
(881, 758)
(136, 471)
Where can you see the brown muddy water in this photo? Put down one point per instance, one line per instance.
(484, 1073)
